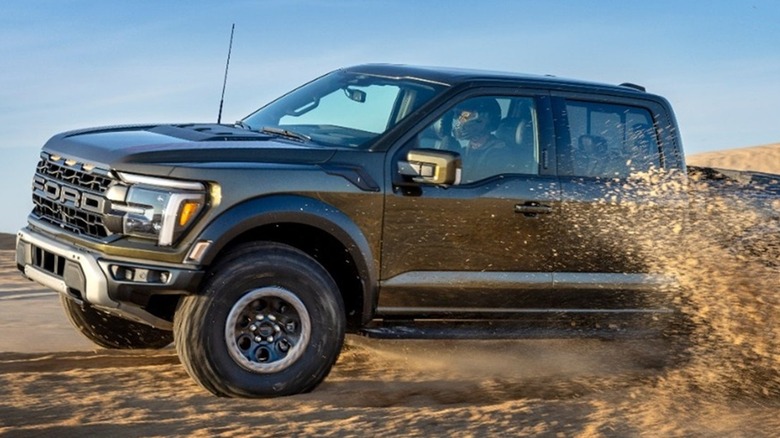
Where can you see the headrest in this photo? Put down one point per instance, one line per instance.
(513, 130)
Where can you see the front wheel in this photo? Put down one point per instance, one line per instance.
(269, 321)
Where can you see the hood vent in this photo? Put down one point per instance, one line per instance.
(194, 132)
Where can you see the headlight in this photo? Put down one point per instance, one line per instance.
(157, 208)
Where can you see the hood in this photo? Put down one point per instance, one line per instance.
(178, 144)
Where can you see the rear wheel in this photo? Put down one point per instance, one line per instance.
(269, 321)
(109, 331)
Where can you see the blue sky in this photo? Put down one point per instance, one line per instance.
(69, 64)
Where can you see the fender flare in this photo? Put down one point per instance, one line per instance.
(302, 210)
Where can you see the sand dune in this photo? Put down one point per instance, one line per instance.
(55, 383)
(758, 158)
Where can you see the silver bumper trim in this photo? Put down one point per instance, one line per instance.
(96, 283)
(45, 279)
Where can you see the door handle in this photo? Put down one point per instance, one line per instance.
(532, 208)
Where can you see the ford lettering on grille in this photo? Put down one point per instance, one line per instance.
(70, 195)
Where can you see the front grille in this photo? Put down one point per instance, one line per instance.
(74, 174)
(70, 195)
(69, 218)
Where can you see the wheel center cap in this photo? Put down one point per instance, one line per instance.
(265, 330)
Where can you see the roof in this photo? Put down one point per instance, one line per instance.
(454, 76)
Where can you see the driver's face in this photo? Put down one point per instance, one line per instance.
(469, 124)
(467, 115)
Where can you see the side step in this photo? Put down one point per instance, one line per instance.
(508, 329)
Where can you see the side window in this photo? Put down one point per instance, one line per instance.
(493, 134)
(610, 141)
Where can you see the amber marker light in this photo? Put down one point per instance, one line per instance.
(188, 210)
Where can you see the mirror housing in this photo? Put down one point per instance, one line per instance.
(431, 166)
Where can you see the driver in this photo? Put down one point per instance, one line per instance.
(473, 125)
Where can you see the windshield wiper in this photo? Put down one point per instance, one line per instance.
(285, 133)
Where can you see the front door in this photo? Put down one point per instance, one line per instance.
(488, 242)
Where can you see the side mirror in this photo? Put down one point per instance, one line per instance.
(431, 166)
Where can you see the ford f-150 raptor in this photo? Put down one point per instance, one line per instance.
(384, 199)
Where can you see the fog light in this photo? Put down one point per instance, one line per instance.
(139, 275)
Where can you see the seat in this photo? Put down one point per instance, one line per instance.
(590, 156)
(441, 131)
(518, 135)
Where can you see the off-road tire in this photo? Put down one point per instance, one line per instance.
(268, 321)
(113, 332)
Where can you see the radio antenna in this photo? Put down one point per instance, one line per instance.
(224, 82)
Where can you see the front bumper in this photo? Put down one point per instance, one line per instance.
(123, 287)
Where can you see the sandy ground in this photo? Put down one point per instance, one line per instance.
(55, 383)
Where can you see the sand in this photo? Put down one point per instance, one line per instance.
(758, 158)
(55, 383)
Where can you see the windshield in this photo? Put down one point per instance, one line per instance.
(342, 108)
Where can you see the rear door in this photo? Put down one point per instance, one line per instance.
(619, 208)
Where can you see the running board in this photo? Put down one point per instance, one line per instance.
(506, 330)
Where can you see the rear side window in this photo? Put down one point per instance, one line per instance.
(608, 140)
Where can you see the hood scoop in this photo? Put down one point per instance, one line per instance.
(208, 132)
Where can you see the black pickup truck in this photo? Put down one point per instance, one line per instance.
(383, 199)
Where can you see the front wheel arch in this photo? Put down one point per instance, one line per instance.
(258, 219)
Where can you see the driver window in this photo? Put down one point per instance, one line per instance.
(494, 135)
